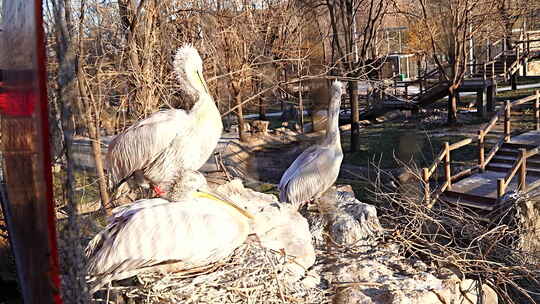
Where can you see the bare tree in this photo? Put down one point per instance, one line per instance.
(76, 290)
(354, 26)
(449, 25)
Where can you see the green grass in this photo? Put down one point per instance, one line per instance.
(389, 144)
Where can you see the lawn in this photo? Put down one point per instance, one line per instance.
(389, 143)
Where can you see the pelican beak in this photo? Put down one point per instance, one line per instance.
(216, 197)
(201, 79)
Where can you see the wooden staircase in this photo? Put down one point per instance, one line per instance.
(512, 162)
(480, 191)
(500, 63)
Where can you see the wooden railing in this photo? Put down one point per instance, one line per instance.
(498, 52)
(445, 155)
(520, 165)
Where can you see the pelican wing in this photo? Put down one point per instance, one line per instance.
(308, 175)
(125, 211)
(195, 233)
(142, 143)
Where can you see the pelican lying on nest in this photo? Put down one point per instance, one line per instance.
(317, 168)
(156, 150)
(195, 230)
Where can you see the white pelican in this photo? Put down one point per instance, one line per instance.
(159, 235)
(317, 168)
(156, 150)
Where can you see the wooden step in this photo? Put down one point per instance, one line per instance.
(517, 146)
(469, 200)
(514, 153)
(531, 161)
(502, 167)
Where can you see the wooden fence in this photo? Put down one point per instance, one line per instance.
(520, 164)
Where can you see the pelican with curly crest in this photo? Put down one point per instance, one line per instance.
(155, 151)
(317, 168)
(195, 229)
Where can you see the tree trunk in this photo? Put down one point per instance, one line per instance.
(240, 115)
(262, 109)
(452, 106)
(75, 286)
(93, 128)
(301, 106)
(355, 116)
(262, 112)
(100, 172)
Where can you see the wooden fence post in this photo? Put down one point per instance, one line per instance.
(505, 68)
(447, 172)
(522, 186)
(537, 110)
(427, 193)
(528, 43)
(500, 188)
(481, 148)
(507, 120)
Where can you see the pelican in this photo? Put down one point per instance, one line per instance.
(194, 230)
(317, 168)
(155, 151)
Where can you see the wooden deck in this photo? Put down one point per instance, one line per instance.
(479, 190)
(511, 163)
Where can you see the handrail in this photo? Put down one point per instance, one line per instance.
(436, 163)
(525, 99)
(465, 172)
(460, 143)
(519, 164)
(494, 150)
(491, 123)
(515, 167)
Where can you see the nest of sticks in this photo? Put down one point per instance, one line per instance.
(253, 274)
(486, 246)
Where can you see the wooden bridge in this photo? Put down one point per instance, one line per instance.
(511, 163)
(501, 63)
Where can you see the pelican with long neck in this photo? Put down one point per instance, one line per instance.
(317, 168)
(332, 127)
(158, 149)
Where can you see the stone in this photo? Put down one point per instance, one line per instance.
(260, 126)
(247, 127)
(382, 276)
(528, 215)
(278, 227)
(347, 220)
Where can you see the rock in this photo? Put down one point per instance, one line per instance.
(528, 214)
(247, 127)
(347, 220)
(260, 126)
(278, 227)
(469, 292)
(312, 279)
(382, 276)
